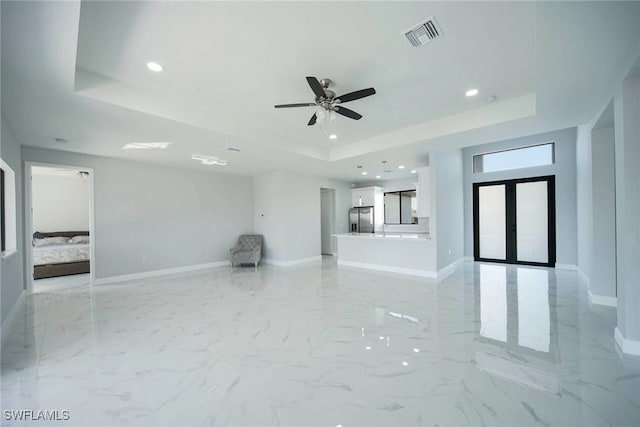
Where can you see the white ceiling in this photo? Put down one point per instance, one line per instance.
(77, 71)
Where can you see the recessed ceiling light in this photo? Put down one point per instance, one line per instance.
(471, 92)
(414, 171)
(333, 136)
(145, 145)
(405, 364)
(401, 167)
(378, 177)
(209, 160)
(365, 173)
(154, 66)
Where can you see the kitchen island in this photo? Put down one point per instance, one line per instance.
(405, 253)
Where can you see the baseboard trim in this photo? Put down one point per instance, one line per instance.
(602, 299)
(156, 273)
(570, 267)
(388, 269)
(449, 269)
(626, 345)
(11, 317)
(292, 262)
(583, 276)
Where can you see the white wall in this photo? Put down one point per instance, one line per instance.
(627, 146)
(327, 220)
(401, 184)
(602, 273)
(269, 209)
(564, 170)
(151, 217)
(447, 212)
(584, 203)
(11, 267)
(60, 203)
(287, 213)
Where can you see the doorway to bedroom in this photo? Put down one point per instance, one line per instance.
(59, 227)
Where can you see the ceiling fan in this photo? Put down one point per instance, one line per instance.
(327, 103)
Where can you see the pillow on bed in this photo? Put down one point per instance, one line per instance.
(79, 239)
(50, 241)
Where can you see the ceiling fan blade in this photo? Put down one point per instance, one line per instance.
(312, 121)
(352, 96)
(347, 113)
(316, 87)
(305, 104)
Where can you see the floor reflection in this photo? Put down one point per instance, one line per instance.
(523, 308)
(516, 326)
(493, 302)
(534, 324)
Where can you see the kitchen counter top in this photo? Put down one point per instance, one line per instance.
(419, 237)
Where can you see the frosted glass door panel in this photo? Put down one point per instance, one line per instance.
(532, 223)
(492, 222)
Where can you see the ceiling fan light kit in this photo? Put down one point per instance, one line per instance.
(327, 104)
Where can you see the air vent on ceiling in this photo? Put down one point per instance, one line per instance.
(423, 32)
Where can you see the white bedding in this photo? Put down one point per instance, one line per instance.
(54, 254)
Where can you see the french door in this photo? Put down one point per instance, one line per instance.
(514, 221)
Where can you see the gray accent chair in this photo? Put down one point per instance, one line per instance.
(248, 250)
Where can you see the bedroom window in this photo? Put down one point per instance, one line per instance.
(7, 209)
(517, 158)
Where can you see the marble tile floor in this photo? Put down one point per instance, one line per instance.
(59, 283)
(320, 345)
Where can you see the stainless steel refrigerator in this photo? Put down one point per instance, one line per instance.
(361, 220)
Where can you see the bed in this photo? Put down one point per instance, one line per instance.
(61, 253)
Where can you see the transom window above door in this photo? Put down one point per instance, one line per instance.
(517, 158)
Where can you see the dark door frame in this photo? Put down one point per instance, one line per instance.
(511, 220)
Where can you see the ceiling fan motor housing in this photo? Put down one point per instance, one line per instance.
(329, 94)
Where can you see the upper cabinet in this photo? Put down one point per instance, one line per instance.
(364, 196)
(424, 192)
(370, 196)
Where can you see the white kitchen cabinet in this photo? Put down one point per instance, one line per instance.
(364, 196)
(356, 198)
(424, 192)
(370, 196)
